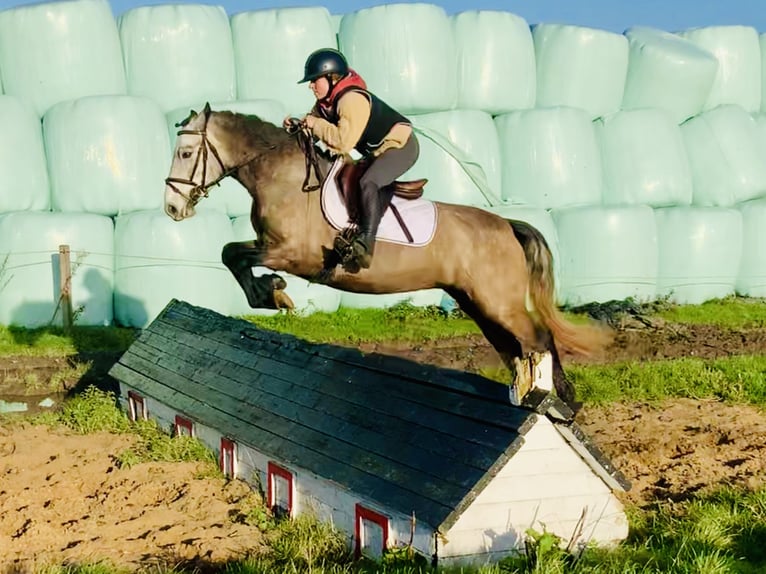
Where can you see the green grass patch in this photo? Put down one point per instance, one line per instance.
(401, 322)
(740, 379)
(731, 312)
(56, 342)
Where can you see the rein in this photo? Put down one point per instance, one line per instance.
(199, 190)
(306, 143)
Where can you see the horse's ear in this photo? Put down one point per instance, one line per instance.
(207, 110)
(186, 120)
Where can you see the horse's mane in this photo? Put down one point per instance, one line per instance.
(256, 132)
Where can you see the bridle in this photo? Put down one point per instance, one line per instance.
(199, 190)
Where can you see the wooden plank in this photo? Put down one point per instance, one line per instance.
(281, 425)
(285, 449)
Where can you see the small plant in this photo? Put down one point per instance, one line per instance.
(91, 411)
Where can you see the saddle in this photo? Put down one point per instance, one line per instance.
(348, 185)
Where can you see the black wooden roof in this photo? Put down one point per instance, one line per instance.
(412, 437)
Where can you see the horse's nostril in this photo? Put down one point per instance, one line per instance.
(170, 210)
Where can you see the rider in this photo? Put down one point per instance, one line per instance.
(347, 116)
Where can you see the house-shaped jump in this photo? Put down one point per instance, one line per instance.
(394, 452)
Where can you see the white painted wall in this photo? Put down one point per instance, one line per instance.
(326, 500)
(545, 486)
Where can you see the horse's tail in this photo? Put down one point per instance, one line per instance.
(571, 338)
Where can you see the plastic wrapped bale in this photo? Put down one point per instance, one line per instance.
(178, 55)
(495, 61)
(107, 154)
(25, 184)
(30, 272)
(158, 259)
(607, 253)
(308, 297)
(580, 67)
(550, 158)
(270, 50)
(421, 298)
(738, 79)
(667, 72)
(644, 159)
(460, 157)
(751, 280)
(726, 154)
(700, 250)
(406, 54)
(541, 220)
(762, 39)
(58, 51)
(230, 197)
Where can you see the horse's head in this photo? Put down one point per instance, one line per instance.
(191, 174)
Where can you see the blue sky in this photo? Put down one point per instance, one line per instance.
(613, 15)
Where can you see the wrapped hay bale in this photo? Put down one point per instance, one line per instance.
(107, 154)
(549, 157)
(158, 259)
(738, 79)
(178, 55)
(495, 61)
(644, 159)
(667, 72)
(607, 253)
(580, 67)
(57, 51)
(406, 53)
(699, 253)
(25, 184)
(30, 274)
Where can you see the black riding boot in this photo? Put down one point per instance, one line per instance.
(374, 205)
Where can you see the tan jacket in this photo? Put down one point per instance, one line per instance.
(354, 113)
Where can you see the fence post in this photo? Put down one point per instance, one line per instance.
(65, 280)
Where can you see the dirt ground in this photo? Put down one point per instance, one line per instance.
(63, 500)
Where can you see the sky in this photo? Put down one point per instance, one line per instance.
(612, 15)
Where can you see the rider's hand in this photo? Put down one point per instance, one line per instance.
(309, 121)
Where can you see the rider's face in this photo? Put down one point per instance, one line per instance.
(320, 87)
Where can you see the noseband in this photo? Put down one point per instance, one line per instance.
(199, 190)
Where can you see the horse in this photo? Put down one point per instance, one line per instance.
(491, 266)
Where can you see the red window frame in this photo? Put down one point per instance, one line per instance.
(274, 470)
(228, 463)
(362, 514)
(135, 400)
(182, 423)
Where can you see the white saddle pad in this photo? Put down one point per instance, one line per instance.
(418, 214)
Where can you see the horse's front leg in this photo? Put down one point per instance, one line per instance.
(262, 292)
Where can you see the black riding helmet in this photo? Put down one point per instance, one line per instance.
(323, 62)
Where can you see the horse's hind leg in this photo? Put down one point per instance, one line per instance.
(263, 292)
(514, 335)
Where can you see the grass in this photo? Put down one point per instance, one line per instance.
(739, 379)
(401, 322)
(56, 342)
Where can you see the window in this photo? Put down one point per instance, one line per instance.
(184, 427)
(136, 407)
(371, 532)
(227, 458)
(280, 493)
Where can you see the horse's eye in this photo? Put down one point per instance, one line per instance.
(186, 154)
